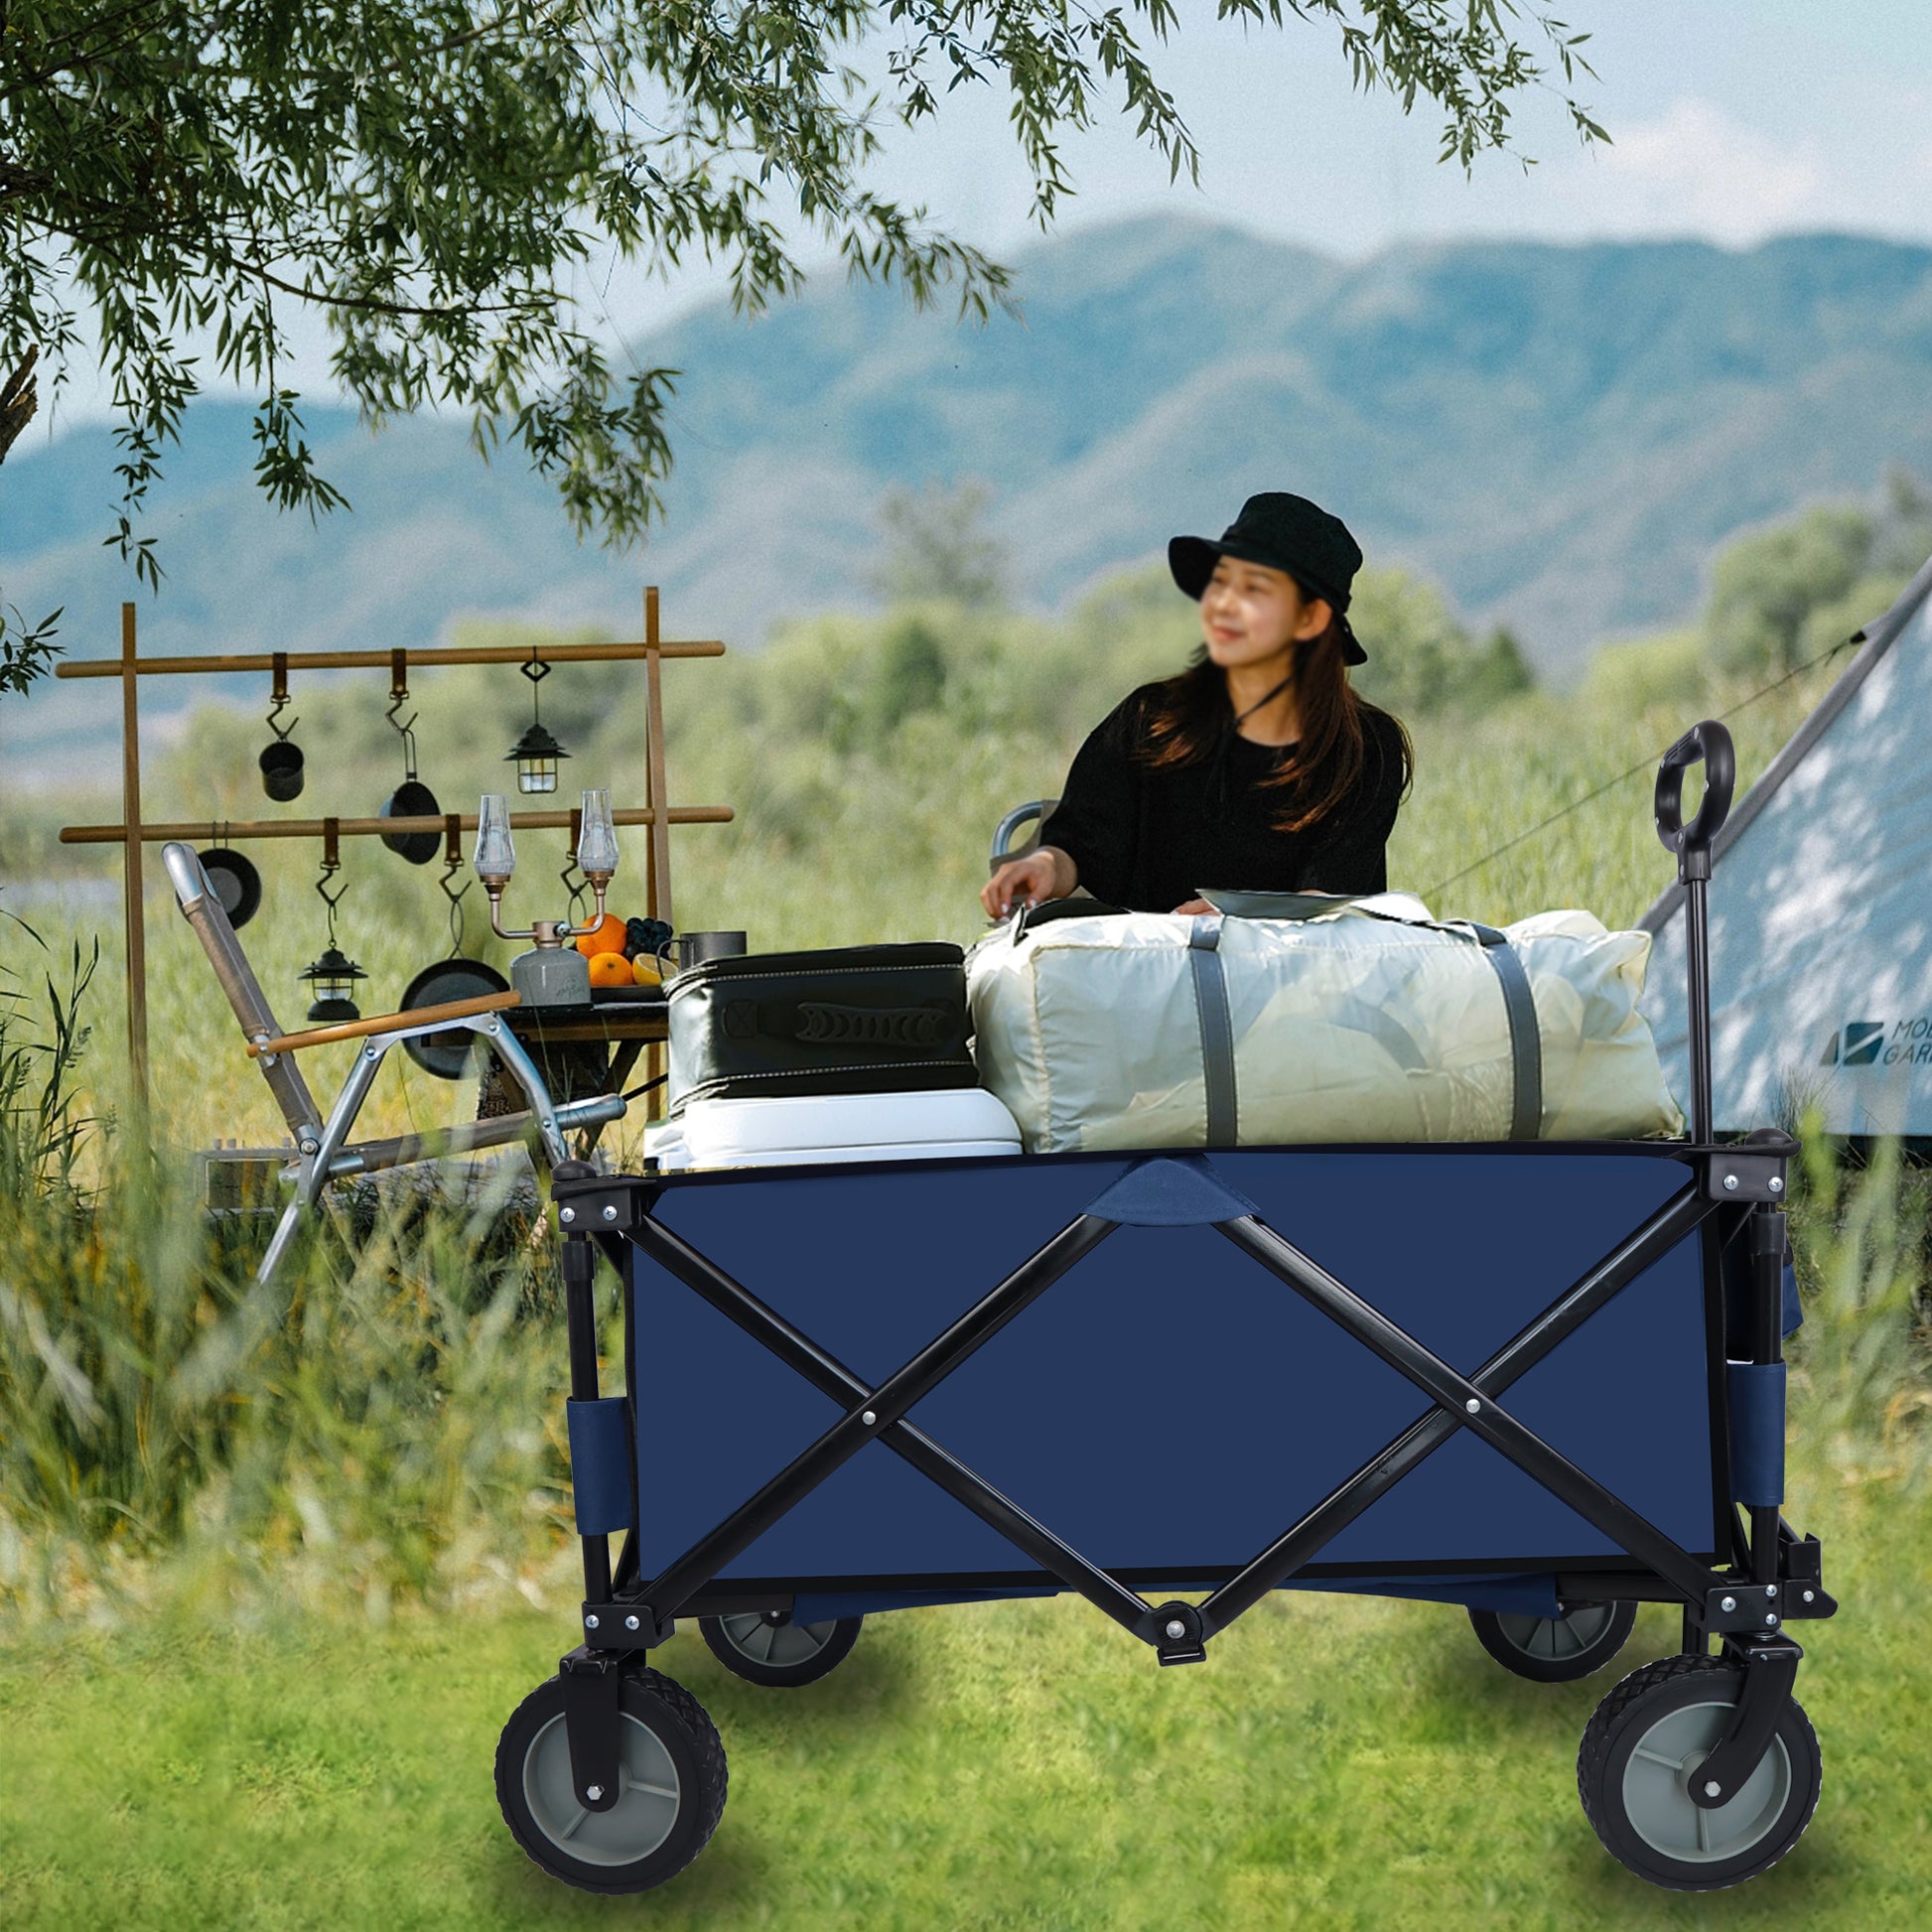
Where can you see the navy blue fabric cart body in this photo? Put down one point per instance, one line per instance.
(1168, 1406)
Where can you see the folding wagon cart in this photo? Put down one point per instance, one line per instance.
(1199, 1372)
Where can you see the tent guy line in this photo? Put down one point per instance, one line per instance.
(1643, 766)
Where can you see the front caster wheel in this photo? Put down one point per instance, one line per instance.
(1643, 1747)
(670, 1783)
(1553, 1650)
(766, 1647)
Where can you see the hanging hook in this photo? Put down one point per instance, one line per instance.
(278, 697)
(332, 863)
(398, 697)
(536, 670)
(452, 865)
(579, 890)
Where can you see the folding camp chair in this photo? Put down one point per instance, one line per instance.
(324, 1149)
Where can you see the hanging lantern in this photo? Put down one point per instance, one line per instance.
(333, 978)
(536, 754)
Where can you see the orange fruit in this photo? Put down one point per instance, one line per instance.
(606, 935)
(609, 969)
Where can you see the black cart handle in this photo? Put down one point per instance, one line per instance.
(1707, 744)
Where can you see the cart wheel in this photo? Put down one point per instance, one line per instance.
(1554, 1649)
(670, 1780)
(1643, 1746)
(766, 1647)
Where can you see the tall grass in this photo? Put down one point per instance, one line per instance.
(381, 1420)
(1863, 1236)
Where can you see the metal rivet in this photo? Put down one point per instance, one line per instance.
(1770, 1589)
(368, 1052)
(1726, 1603)
(631, 1623)
(1473, 1406)
(610, 1213)
(568, 1215)
(1731, 1183)
(590, 1621)
(868, 1419)
(1176, 1628)
(1712, 1787)
(1770, 1622)
(1809, 1598)
(1775, 1185)
(593, 1792)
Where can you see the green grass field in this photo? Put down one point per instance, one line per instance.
(1337, 1764)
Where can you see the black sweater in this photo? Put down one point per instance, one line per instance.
(1148, 840)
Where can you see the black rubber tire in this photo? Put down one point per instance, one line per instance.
(531, 1797)
(787, 1663)
(1556, 1650)
(1669, 1704)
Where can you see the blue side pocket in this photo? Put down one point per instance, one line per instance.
(1757, 1434)
(1794, 1313)
(600, 1464)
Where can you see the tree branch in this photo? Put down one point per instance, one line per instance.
(18, 398)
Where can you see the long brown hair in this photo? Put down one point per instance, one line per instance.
(1191, 718)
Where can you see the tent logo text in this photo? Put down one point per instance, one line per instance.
(1866, 1043)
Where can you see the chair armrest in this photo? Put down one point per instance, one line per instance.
(387, 1022)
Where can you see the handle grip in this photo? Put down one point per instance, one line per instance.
(1707, 743)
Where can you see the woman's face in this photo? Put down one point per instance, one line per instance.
(1250, 614)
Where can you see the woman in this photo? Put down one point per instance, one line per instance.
(1257, 769)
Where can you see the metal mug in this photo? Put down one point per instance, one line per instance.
(281, 766)
(694, 948)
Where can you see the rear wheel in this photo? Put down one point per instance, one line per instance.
(1640, 1753)
(766, 1647)
(1554, 1650)
(670, 1785)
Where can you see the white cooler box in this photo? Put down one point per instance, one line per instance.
(811, 1128)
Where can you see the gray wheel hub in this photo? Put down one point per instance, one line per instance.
(781, 1646)
(1557, 1639)
(648, 1795)
(1657, 1789)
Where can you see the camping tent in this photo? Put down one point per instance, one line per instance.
(1820, 911)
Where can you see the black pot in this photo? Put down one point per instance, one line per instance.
(449, 1055)
(236, 883)
(281, 764)
(413, 799)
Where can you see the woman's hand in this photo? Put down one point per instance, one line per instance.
(1192, 905)
(1045, 874)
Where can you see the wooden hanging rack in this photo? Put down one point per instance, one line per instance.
(133, 835)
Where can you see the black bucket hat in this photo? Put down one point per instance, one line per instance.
(1282, 533)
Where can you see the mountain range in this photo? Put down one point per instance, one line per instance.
(1559, 435)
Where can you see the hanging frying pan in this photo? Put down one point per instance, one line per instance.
(237, 885)
(412, 798)
(449, 1055)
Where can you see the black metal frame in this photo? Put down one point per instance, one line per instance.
(1770, 1579)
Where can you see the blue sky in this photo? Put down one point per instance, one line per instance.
(1731, 122)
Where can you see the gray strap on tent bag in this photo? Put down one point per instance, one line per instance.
(1525, 1043)
(1216, 1027)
